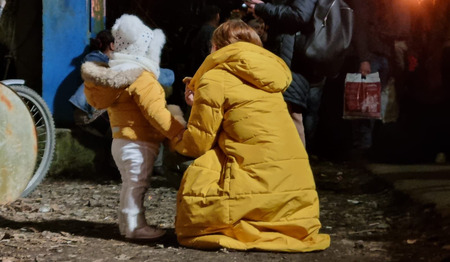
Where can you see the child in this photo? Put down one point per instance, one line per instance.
(250, 186)
(139, 118)
(260, 28)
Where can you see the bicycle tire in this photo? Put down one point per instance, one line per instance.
(45, 131)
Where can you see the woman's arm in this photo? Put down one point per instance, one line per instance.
(205, 120)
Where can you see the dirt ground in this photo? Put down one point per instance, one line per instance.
(74, 219)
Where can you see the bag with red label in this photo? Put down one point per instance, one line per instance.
(362, 96)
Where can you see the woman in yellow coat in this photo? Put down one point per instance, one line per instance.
(250, 186)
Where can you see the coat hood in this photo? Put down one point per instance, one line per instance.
(251, 63)
(101, 75)
(108, 83)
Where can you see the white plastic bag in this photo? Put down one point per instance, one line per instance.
(389, 105)
(362, 96)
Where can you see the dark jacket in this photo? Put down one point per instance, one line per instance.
(78, 99)
(378, 23)
(285, 18)
(200, 47)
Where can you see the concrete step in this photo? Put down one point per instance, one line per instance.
(427, 184)
(80, 153)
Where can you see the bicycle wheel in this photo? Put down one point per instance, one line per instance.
(45, 131)
(18, 143)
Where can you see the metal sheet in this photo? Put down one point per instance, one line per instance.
(60, 66)
(18, 145)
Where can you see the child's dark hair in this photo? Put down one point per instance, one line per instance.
(101, 41)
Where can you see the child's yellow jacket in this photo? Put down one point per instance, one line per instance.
(135, 101)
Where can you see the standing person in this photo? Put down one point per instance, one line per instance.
(250, 186)
(285, 18)
(139, 118)
(102, 47)
(260, 28)
(86, 117)
(201, 42)
(379, 25)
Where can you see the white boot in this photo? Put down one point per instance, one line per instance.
(134, 224)
(120, 215)
(135, 162)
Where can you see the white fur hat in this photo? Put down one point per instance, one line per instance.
(133, 37)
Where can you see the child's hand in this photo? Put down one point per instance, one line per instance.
(180, 135)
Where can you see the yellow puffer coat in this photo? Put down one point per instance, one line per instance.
(135, 101)
(250, 186)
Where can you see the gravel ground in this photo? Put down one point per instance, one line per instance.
(74, 219)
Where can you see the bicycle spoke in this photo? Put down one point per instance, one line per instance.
(45, 132)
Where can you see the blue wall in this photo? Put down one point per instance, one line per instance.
(66, 31)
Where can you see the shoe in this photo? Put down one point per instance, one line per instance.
(145, 233)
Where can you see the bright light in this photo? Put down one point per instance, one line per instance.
(422, 1)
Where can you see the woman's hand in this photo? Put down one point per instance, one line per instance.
(364, 68)
(188, 93)
(172, 143)
(189, 96)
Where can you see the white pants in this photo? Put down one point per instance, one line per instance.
(135, 160)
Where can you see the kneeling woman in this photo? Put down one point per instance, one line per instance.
(250, 186)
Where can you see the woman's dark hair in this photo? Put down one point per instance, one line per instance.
(101, 41)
